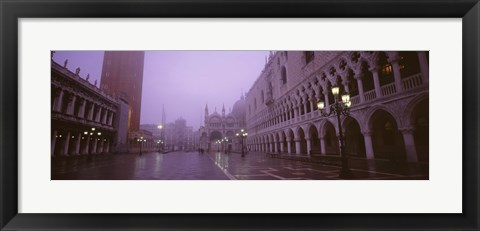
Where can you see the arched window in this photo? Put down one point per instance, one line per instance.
(409, 64)
(386, 70)
(255, 104)
(284, 75)
(263, 97)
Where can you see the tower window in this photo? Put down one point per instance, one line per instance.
(309, 56)
(284, 75)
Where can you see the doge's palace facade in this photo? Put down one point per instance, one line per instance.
(388, 116)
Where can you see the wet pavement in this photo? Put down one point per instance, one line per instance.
(220, 166)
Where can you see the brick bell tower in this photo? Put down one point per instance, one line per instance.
(122, 75)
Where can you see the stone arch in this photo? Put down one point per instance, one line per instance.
(354, 140)
(330, 140)
(283, 142)
(419, 121)
(270, 143)
(290, 141)
(277, 143)
(312, 132)
(301, 142)
(386, 138)
(215, 135)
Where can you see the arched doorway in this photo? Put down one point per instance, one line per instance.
(303, 142)
(291, 139)
(331, 141)
(387, 140)
(283, 141)
(421, 135)
(214, 137)
(314, 140)
(354, 141)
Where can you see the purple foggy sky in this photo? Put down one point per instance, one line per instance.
(184, 81)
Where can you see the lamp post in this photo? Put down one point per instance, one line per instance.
(141, 141)
(242, 134)
(225, 140)
(218, 142)
(339, 107)
(90, 135)
(160, 149)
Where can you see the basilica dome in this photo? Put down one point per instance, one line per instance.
(239, 109)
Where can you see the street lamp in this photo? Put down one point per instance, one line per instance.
(339, 107)
(89, 137)
(141, 141)
(161, 137)
(218, 142)
(225, 140)
(242, 134)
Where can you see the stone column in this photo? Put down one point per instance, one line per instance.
(110, 119)
(94, 148)
(71, 105)
(309, 145)
(346, 87)
(327, 101)
(312, 108)
(104, 116)
(66, 145)
(323, 149)
(410, 148)
(77, 144)
(360, 89)
(275, 144)
(305, 102)
(54, 141)
(368, 145)
(100, 149)
(297, 147)
(397, 76)
(281, 146)
(81, 112)
(92, 110)
(423, 61)
(58, 101)
(107, 148)
(289, 146)
(99, 113)
(87, 145)
(376, 82)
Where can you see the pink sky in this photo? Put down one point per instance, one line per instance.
(182, 81)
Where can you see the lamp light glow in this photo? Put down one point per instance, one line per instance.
(335, 90)
(321, 105)
(346, 98)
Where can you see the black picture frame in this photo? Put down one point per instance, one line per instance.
(12, 10)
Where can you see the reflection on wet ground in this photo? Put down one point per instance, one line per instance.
(219, 166)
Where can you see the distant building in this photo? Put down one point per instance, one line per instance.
(84, 119)
(216, 127)
(122, 75)
(178, 136)
(152, 128)
(141, 139)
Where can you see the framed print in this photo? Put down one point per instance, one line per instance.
(278, 115)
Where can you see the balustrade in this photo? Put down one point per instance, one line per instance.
(388, 89)
(412, 82)
(370, 95)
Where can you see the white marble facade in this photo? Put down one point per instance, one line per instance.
(388, 117)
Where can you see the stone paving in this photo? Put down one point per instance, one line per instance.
(218, 166)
